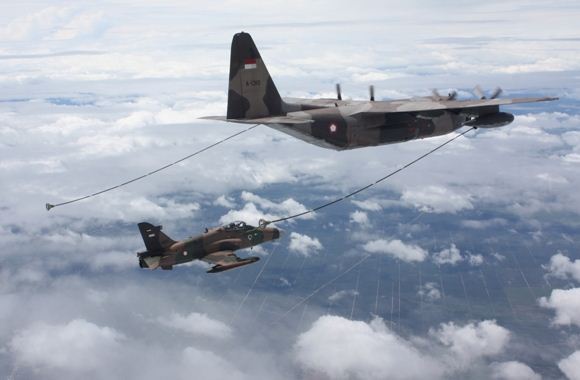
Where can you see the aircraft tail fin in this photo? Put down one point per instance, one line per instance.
(252, 93)
(154, 239)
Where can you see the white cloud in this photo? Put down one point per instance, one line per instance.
(562, 267)
(78, 345)
(397, 249)
(207, 365)
(472, 341)
(343, 349)
(224, 201)
(197, 324)
(513, 370)
(571, 366)
(430, 291)
(368, 205)
(450, 255)
(437, 199)
(335, 297)
(304, 244)
(475, 260)
(360, 217)
(566, 304)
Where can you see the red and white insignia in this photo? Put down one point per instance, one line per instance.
(332, 128)
(250, 63)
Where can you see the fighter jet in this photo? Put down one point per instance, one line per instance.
(215, 246)
(347, 124)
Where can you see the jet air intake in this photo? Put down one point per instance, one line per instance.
(491, 120)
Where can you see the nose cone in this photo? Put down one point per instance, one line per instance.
(275, 233)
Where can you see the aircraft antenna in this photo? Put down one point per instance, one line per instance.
(50, 206)
(263, 223)
(338, 92)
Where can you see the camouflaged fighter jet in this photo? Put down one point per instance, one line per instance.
(348, 124)
(215, 246)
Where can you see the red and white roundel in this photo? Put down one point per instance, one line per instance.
(332, 128)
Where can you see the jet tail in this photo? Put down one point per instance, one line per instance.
(154, 239)
(252, 93)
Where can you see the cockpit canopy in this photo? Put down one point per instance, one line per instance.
(238, 226)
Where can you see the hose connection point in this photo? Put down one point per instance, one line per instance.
(49, 206)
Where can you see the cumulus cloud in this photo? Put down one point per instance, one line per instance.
(472, 341)
(430, 291)
(450, 255)
(397, 249)
(513, 370)
(566, 304)
(304, 244)
(257, 208)
(360, 217)
(335, 297)
(78, 345)
(368, 205)
(343, 349)
(437, 199)
(561, 266)
(571, 366)
(475, 260)
(197, 324)
(224, 201)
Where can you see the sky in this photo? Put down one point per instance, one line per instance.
(465, 265)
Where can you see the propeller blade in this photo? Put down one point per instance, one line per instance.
(338, 92)
(497, 92)
(478, 92)
(372, 92)
(452, 95)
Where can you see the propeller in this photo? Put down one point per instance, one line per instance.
(481, 95)
(437, 96)
(496, 93)
(478, 92)
(372, 93)
(338, 92)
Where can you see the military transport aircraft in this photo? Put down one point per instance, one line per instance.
(348, 124)
(215, 246)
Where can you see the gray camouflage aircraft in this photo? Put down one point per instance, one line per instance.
(215, 246)
(348, 124)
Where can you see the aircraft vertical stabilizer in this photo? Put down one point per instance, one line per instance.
(252, 93)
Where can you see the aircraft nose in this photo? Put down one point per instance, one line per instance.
(275, 233)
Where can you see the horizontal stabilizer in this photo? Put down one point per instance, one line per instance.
(264, 120)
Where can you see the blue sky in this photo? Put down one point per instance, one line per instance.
(468, 260)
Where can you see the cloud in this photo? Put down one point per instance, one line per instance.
(475, 260)
(252, 210)
(571, 366)
(472, 341)
(197, 324)
(335, 297)
(360, 217)
(566, 304)
(513, 370)
(224, 201)
(397, 249)
(450, 255)
(368, 205)
(78, 345)
(304, 244)
(437, 199)
(561, 266)
(430, 291)
(343, 349)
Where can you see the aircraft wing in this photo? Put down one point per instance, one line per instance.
(225, 260)
(221, 258)
(426, 105)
